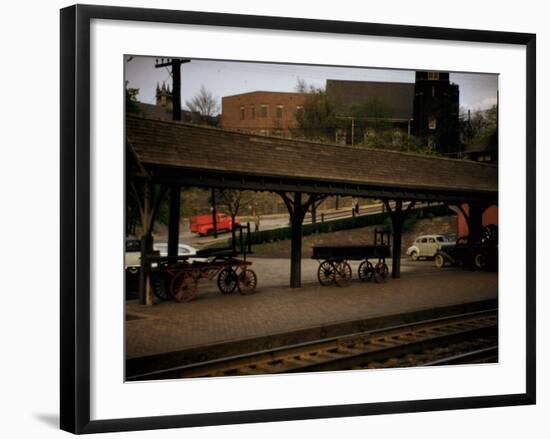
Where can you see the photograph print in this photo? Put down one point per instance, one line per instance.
(286, 218)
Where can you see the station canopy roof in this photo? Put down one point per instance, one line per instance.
(178, 153)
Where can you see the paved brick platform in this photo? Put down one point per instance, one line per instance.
(214, 318)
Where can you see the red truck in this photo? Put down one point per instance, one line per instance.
(202, 224)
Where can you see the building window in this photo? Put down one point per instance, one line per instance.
(241, 112)
(432, 123)
(252, 112)
(433, 76)
(264, 111)
(279, 111)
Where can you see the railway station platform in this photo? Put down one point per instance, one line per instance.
(215, 325)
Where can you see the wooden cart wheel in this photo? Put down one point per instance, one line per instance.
(365, 271)
(227, 280)
(325, 273)
(247, 282)
(342, 274)
(160, 285)
(381, 272)
(184, 287)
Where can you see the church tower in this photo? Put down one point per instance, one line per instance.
(164, 96)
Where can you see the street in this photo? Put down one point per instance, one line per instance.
(270, 222)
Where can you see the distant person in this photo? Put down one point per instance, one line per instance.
(257, 223)
(355, 209)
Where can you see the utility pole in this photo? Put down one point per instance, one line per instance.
(175, 64)
(175, 190)
(352, 118)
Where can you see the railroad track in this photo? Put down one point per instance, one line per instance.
(428, 342)
(483, 355)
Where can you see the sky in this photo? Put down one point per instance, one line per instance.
(478, 91)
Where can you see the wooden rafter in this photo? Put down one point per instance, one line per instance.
(155, 208)
(137, 198)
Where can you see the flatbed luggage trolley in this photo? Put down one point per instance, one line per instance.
(335, 269)
(178, 277)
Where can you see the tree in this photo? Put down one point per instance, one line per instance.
(232, 200)
(481, 127)
(131, 98)
(301, 86)
(204, 103)
(372, 123)
(317, 120)
(371, 120)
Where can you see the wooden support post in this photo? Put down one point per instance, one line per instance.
(397, 215)
(297, 210)
(297, 217)
(475, 225)
(174, 220)
(397, 222)
(145, 293)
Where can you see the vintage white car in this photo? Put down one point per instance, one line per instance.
(132, 257)
(426, 246)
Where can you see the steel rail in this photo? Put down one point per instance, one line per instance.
(341, 352)
(486, 354)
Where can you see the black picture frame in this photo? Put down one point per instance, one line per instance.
(75, 217)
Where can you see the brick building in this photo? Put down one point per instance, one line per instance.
(427, 109)
(262, 112)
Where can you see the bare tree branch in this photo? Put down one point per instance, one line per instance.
(204, 103)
